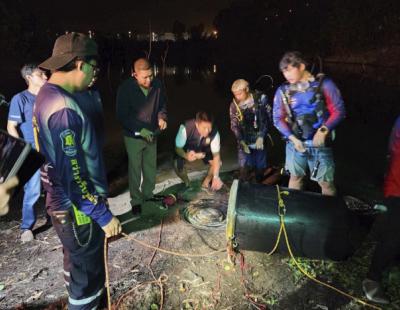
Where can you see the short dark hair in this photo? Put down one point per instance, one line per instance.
(202, 116)
(28, 69)
(72, 64)
(293, 58)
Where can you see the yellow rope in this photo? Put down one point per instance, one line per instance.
(283, 228)
(278, 239)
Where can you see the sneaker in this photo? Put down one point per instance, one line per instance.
(27, 236)
(374, 292)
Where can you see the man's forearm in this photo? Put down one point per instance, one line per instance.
(216, 165)
(12, 130)
(180, 152)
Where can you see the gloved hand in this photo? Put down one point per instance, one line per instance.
(260, 143)
(320, 136)
(245, 147)
(298, 144)
(113, 228)
(146, 134)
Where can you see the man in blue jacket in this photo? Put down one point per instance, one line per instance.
(142, 112)
(74, 174)
(306, 110)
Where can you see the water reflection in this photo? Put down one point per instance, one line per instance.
(183, 71)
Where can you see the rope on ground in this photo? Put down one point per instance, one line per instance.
(106, 272)
(161, 279)
(158, 244)
(281, 206)
(216, 292)
(247, 293)
(151, 270)
(172, 252)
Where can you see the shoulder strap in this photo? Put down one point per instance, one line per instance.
(256, 97)
(318, 91)
(239, 113)
(285, 100)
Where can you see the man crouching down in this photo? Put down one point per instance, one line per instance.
(197, 139)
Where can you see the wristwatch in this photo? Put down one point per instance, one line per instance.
(323, 129)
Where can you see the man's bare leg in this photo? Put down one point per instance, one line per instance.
(296, 182)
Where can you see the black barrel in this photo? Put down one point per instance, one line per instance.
(318, 226)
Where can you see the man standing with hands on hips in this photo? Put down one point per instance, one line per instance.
(142, 112)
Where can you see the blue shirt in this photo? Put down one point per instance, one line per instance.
(74, 165)
(21, 108)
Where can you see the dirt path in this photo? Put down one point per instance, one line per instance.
(31, 274)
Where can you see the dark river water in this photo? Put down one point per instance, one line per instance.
(370, 95)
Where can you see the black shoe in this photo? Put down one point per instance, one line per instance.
(374, 292)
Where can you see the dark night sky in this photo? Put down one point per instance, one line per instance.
(123, 15)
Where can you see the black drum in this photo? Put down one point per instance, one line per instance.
(318, 226)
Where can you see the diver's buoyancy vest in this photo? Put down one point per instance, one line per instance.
(304, 126)
(251, 119)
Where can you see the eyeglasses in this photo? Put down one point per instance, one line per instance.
(40, 74)
(95, 68)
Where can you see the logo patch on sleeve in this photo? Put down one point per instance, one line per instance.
(68, 142)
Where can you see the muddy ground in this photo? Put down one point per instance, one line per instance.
(31, 273)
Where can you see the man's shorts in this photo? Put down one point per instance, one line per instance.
(298, 163)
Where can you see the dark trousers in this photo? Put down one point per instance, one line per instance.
(142, 157)
(256, 159)
(83, 248)
(387, 228)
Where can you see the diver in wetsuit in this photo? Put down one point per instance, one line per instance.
(250, 117)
